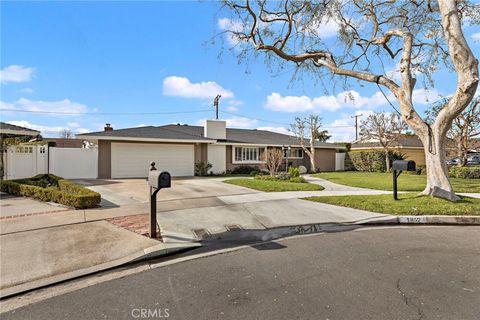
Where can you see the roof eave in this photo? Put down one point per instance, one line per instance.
(139, 139)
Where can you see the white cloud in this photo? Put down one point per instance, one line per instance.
(232, 105)
(16, 73)
(349, 99)
(226, 24)
(343, 128)
(73, 124)
(235, 122)
(476, 36)
(64, 105)
(26, 90)
(48, 131)
(240, 122)
(325, 29)
(276, 129)
(7, 105)
(182, 87)
(424, 96)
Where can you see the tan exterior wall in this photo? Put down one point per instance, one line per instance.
(416, 155)
(325, 159)
(201, 152)
(104, 159)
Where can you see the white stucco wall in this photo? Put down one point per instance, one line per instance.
(217, 156)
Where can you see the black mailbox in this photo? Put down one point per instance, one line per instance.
(156, 180)
(403, 165)
(159, 180)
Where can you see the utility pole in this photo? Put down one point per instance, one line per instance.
(356, 124)
(215, 104)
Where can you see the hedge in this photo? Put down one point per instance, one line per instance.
(370, 160)
(52, 188)
(465, 172)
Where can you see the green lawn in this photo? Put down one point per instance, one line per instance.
(383, 181)
(408, 204)
(274, 186)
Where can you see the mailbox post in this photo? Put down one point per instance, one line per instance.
(398, 167)
(156, 180)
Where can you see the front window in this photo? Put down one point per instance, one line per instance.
(248, 154)
(294, 153)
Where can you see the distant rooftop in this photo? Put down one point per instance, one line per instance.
(10, 129)
(187, 132)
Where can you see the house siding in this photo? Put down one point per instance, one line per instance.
(324, 161)
(104, 159)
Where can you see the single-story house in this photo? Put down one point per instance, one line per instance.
(409, 145)
(126, 153)
(8, 130)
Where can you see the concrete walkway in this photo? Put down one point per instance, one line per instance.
(196, 224)
(37, 258)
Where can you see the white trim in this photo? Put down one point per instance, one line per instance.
(248, 161)
(179, 141)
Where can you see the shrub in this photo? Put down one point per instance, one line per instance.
(297, 180)
(371, 160)
(285, 177)
(294, 171)
(244, 170)
(465, 172)
(58, 190)
(202, 168)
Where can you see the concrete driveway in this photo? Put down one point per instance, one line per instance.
(133, 191)
(13, 206)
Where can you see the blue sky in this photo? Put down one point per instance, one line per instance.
(94, 58)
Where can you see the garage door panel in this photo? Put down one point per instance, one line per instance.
(131, 160)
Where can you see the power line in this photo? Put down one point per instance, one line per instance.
(102, 113)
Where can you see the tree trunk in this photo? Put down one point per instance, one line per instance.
(438, 183)
(313, 168)
(387, 161)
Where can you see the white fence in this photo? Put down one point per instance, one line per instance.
(340, 161)
(24, 161)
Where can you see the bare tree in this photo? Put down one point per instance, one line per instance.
(306, 130)
(386, 128)
(66, 133)
(273, 160)
(464, 128)
(422, 36)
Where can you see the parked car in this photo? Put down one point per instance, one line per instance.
(473, 160)
(453, 161)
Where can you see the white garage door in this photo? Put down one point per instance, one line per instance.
(131, 160)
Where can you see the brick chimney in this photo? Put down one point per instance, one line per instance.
(108, 127)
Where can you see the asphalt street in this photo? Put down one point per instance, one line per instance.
(377, 273)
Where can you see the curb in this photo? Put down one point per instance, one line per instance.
(155, 251)
(287, 231)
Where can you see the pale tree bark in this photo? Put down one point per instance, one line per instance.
(312, 124)
(406, 26)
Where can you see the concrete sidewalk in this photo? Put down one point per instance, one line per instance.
(195, 224)
(29, 260)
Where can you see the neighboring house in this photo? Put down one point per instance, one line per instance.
(66, 142)
(408, 145)
(126, 153)
(10, 131)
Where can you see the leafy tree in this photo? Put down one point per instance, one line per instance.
(465, 128)
(421, 36)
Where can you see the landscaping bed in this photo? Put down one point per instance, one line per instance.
(273, 184)
(407, 204)
(383, 181)
(48, 187)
